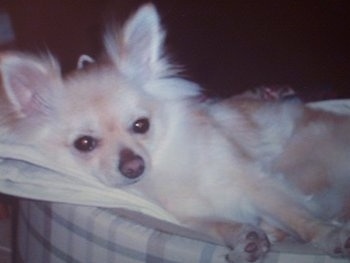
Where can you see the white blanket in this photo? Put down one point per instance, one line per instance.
(25, 172)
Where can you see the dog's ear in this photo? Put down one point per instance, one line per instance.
(138, 49)
(138, 52)
(84, 60)
(27, 81)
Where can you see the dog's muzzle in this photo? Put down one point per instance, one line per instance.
(131, 165)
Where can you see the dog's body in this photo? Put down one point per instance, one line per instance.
(224, 168)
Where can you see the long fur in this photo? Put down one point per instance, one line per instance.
(225, 168)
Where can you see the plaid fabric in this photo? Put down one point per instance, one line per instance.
(60, 233)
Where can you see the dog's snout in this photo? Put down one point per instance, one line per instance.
(131, 165)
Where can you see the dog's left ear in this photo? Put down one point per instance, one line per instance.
(138, 53)
(138, 50)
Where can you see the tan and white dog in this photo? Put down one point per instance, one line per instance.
(224, 168)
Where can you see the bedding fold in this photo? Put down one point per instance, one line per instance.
(25, 172)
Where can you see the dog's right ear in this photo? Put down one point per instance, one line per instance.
(27, 81)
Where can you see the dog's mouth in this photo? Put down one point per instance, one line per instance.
(131, 165)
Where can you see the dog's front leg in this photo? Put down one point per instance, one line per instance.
(246, 242)
(287, 213)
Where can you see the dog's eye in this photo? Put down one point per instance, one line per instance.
(85, 143)
(141, 126)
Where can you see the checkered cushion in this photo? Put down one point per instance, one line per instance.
(61, 233)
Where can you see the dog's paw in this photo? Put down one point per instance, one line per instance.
(336, 242)
(250, 245)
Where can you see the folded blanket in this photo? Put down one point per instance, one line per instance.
(25, 172)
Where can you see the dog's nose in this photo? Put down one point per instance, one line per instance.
(131, 165)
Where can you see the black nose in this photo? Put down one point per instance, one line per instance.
(131, 165)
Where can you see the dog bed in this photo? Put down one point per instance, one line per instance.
(61, 233)
(64, 216)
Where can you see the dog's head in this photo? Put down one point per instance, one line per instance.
(107, 121)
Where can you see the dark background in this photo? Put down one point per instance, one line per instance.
(226, 46)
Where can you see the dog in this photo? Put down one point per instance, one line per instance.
(241, 170)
